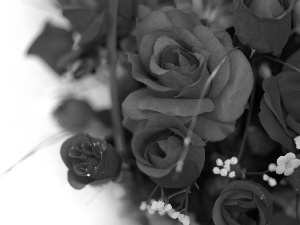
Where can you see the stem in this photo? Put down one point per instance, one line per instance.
(112, 60)
(152, 193)
(249, 115)
(175, 194)
(297, 208)
(256, 173)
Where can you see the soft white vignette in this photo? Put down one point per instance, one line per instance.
(36, 191)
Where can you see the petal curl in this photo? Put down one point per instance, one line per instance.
(230, 104)
(212, 130)
(218, 52)
(141, 104)
(273, 127)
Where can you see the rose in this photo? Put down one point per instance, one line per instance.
(159, 146)
(263, 25)
(176, 56)
(280, 108)
(242, 202)
(89, 159)
(89, 18)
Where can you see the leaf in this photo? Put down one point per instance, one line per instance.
(51, 45)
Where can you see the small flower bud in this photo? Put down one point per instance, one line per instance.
(216, 170)
(223, 172)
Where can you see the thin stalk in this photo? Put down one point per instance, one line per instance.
(152, 193)
(256, 173)
(112, 61)
(249, 115)
(175, 194)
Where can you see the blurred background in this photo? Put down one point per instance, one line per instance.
(36, 191)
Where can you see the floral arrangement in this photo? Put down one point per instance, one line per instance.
(205, 120)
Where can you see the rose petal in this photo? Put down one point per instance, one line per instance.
(290, 156)
(218, 52)
(186, 39)
(289, 87)
(230, 104)
(155, 20)
(141, 105)
(141, 75)
(193, 165)
(213, 130)
(224, 38)
(280, 169)
(77, 182)
(288, 172)
(273, 128)
(293, 124)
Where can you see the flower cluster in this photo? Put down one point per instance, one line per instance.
(164, 208)
(226, 170)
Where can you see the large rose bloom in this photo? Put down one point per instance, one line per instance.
(241, 203)
(280, 108)
(176, 56)
(159, 146)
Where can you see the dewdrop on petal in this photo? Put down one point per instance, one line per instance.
(297, 141)
(216, 170)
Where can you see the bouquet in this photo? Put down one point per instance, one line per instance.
(204, 126)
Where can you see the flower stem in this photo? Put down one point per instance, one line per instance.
(249, 115)
(112, 61)
(256, 173)
(152, 193)
(175, 194)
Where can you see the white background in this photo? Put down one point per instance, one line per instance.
(36, 192)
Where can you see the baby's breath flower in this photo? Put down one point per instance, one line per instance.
(266, 177)
(231, 174)
(272, 182)
(154, 205)
(233, 160)
(185, 220)
(223, 172)
(272, 167)
(216, 170)
(160, 205)
(286, 164)
(171, 212)
(297, 141)
(175, 215)
(149, 210)
(219, 162)
(180, 217)
(143, 206)
(168, 207)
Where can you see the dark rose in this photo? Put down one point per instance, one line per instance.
(89, 18)
(177, 54)
(280, 108)
(242, 202)
(159, 146)
(263, 25)
(89, 159)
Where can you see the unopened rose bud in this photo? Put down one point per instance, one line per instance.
(265, 26)
(89, 159)
(74, 115)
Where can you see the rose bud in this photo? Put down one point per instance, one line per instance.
(89, 159)
(265, 26)
(242, 202)
(158, 147)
